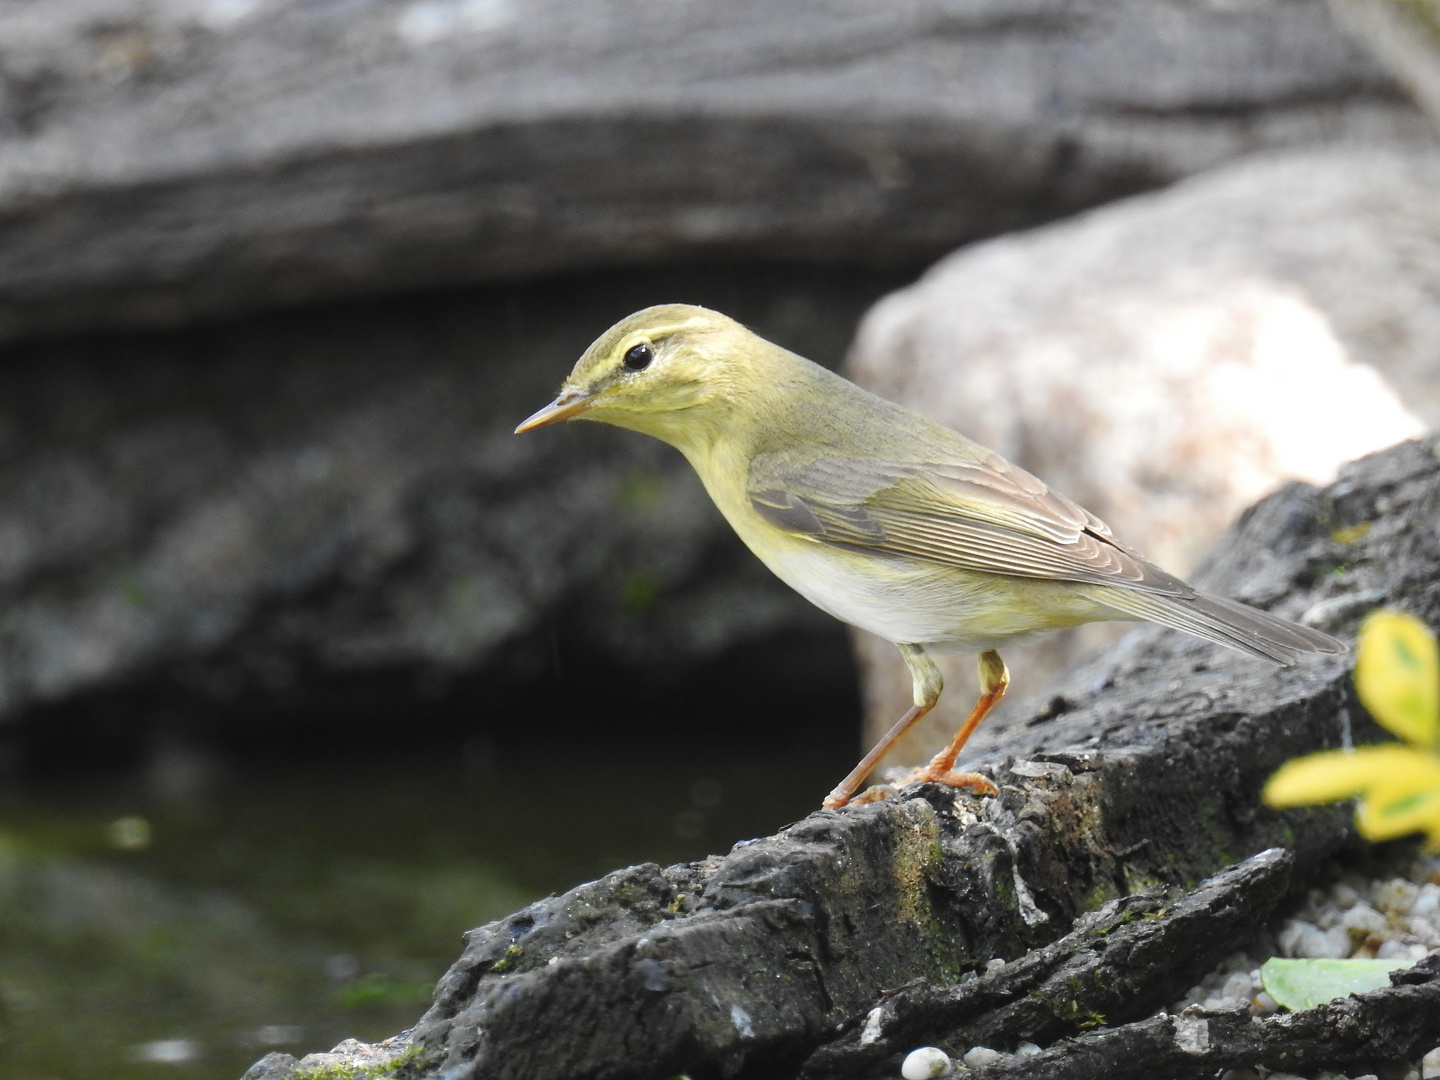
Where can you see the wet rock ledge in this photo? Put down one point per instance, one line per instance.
(1125, 854)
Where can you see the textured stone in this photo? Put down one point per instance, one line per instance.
(1167, 359)
(165, 158)
(747, 964)
(1377, 1033)
(349, 1058)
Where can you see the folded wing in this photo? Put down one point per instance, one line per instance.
(987, 516)
(990, 516)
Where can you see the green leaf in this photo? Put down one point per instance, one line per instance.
(1303, 984)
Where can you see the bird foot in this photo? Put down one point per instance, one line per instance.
(969, 781)
(836, 799)
(874, 793)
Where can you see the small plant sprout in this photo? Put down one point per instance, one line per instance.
(1397, 677)
(1303, 984)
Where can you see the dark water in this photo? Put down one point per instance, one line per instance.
(184, 926)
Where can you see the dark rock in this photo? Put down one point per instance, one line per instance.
(1386, 1030)
(245, 514)
(1110, 968)
(160, 160)
(273, 1066)
(750, 963)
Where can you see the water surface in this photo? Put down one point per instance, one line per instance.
(153, 930)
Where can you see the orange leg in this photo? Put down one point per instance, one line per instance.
(925, 677)
(994, 678)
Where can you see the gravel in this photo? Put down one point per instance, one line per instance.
(1387, 910)
(1392, 916)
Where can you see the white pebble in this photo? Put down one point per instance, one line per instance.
(1299, 938)
(1427, 930)
(1398, 950)
(1238, 987)
(1365, 918)
(1290, 935)
(1026, 1049)
(1396, 895)
(926, 1063)
(979, 1056)
(1430, 1064)
(874, 1026)
(1337, 945)
(1236, 961)
(1344, 894)
(1427, 902)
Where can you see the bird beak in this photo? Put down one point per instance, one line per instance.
(569, 404)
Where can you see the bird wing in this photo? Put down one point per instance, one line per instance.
(984, 514)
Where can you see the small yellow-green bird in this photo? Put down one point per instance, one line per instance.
(882, 518)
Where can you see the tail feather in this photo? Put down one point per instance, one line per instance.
(1226, 622)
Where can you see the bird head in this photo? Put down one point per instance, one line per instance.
(667, 371)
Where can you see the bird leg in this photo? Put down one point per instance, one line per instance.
(994, 678)
(926, 683)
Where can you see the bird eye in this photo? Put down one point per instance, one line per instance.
(639, 357)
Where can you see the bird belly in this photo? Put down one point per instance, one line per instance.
(901, 598)
(924, 603)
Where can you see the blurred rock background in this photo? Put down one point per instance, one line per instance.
(165, 159)
(1168, 359)
(278, 278)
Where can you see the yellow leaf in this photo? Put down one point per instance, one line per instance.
(1341, 774)
(1397, 675)
(1393, 811)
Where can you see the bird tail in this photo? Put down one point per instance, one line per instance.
(1226, 622)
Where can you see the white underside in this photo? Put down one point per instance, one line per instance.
(906, 600)
(921, 603)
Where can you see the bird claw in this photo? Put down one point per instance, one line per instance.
(874, 793)
(969, 781)
(871, 794)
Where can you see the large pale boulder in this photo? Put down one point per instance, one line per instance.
(166, 158)
(1168, 359)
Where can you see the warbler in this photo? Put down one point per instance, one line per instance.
(883, 518)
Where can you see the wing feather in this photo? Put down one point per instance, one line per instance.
(985, 515)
